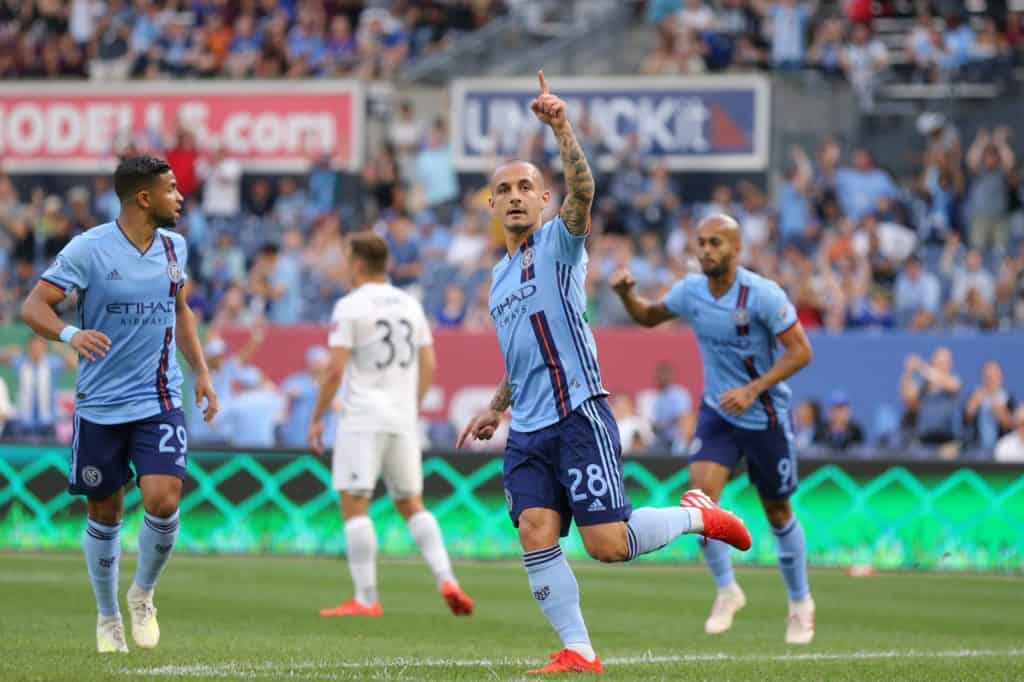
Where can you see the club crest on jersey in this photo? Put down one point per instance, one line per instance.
(742, 317)
(528, 257)
(174, 272)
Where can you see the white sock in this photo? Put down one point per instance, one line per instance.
(584, 650)
(361, 544)
(427, 535)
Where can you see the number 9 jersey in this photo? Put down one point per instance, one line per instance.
(385, 328)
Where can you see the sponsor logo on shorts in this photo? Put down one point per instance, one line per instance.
(542, 594)
(91, 476)
(695, 445)
(180, 462)
(596, 506)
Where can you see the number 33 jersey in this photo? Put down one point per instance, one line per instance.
(385, 328)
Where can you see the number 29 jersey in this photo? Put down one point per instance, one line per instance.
(385, 328)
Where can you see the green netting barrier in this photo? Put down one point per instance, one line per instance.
(244, 503)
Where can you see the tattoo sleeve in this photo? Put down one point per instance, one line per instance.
(580, 181)
(502, 399)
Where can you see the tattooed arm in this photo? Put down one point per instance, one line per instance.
(551, 111)
(483, 426)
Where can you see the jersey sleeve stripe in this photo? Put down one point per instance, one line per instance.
(766, 400)
(742, 326)
(161, 372)
(587, 361)
(555, 369)
(172, 257)
(51, 283)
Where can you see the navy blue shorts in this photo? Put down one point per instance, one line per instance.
(102, 455)
(573, 466)
(771, 459)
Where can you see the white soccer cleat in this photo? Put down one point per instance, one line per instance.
(729, 600)
(800, 624)
(145, 629)
(110, 635)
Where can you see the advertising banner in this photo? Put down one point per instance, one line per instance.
(716, 123)
(270, 126)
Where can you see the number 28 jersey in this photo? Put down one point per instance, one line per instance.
(385, 328)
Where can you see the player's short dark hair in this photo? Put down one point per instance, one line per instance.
(370, 248)
(137, 173)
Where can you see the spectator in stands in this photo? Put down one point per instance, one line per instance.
(105, 202)
(826, 52)
(807, 424)
(406, 259)
(841, 432)
(479, 316)
(276, 281)
(872, 312)
(864, 60)
(383, 45)
(300, 391)
(453, 312)
(321, 187)
(38, 372)
(991, 161)
(695, 16)
(250, 418)
(405, 134)
(930, 392)
(81, 215)
(789, 21)
(968, 276)
(245, 47)
(381, 177)
(924, 48)
(917, 295)
(862, 186)
(958, 45)
(222, 186)
(635, 432)
(435, 173)
(672, 404)
(183, 155)
(988, 414)
(1010, 448)
(224, 265)
(991, 55)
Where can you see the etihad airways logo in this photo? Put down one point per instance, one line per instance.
(514, 305)
(140, 307)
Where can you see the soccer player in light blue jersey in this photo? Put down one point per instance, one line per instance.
(740, 318)
(563, 457)
(128, 277)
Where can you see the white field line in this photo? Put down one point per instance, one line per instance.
(236, 669)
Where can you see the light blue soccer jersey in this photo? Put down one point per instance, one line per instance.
(737, 338)
(537, 302)
(129, 296)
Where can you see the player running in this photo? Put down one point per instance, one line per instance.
(563, 458)
(737, 316)
(381, 344)
(129, 277)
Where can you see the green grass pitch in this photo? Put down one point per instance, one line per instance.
(227, 618)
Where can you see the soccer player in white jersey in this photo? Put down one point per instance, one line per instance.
(563, 459)
(382, 356)
(129, 277)
(740, 319)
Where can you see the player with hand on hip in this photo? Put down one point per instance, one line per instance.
(739, 318)
(563, 456)
(129, 276)
(381, 347)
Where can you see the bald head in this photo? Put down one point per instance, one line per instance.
(718, 244)
(515, 168)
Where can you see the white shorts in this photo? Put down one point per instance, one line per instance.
(362, 457)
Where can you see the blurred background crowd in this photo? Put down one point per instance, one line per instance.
(935, 243)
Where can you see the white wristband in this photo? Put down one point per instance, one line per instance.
(67, 332)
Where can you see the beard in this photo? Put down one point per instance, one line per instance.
(165, 220)
(718, 269)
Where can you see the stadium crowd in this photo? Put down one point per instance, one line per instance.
(153, 39)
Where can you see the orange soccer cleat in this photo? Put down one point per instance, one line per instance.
(458, 601)
(353, 608)
(568, 661)
(719, 524)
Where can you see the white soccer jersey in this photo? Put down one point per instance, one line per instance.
(385, 328)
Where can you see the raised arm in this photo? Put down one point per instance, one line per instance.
(644, 312)
(580, 186)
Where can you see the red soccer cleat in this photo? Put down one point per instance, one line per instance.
(353, 608)
(568, 661)
(719, 524)
(458, 601)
